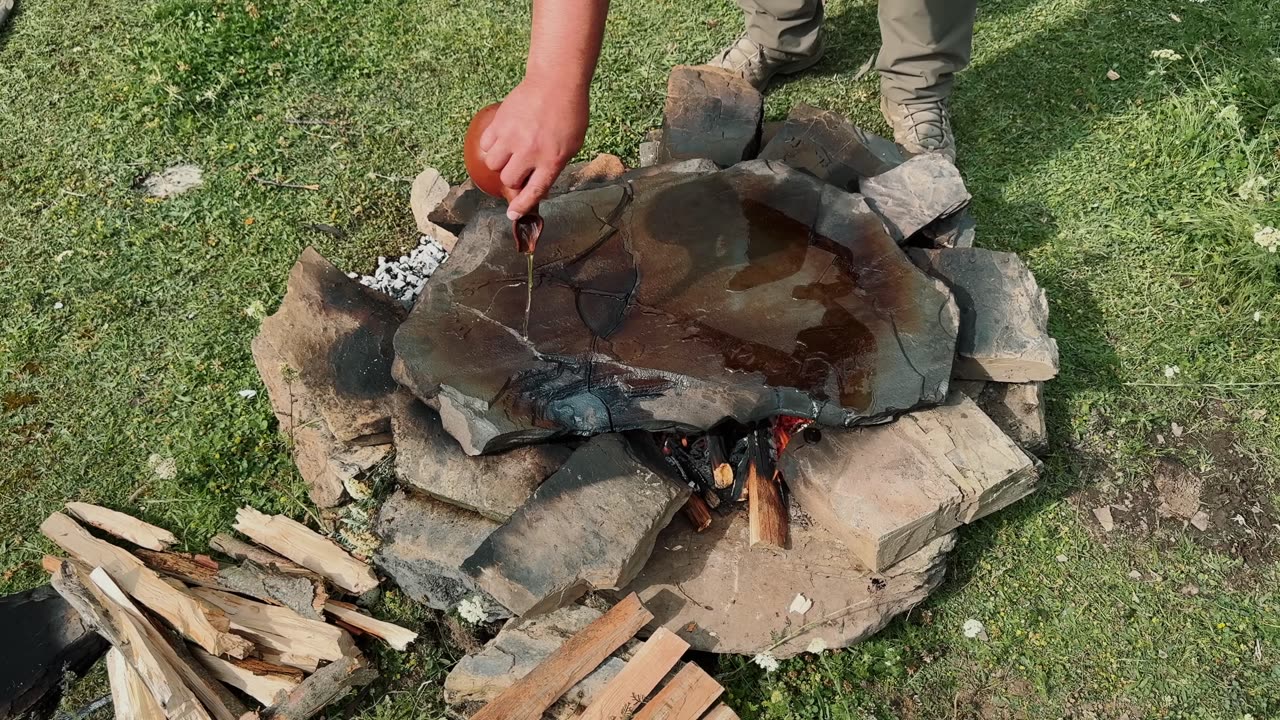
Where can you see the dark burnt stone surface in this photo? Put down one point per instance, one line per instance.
(710, 113)
(829, 147)
(916, 193)
(679, 300)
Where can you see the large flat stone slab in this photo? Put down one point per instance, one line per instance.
(829, 147)
(430, 460)
(590, 526)
(1004, 315)
(721, 595)
(889, 490)
(424, 543)
(335, 336)
(781, 295)
(710, 113)
(916, 193)
(520, 647)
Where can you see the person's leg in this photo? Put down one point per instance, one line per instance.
(923, 44)
(781, 37)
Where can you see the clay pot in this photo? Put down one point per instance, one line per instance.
(527, 228)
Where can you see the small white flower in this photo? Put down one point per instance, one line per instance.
(1175, 17)
(1230, 114)
(1268, 238)
(1257, 316)
(801, 604)
(975, 629)
(767, 661)
(817, 646)
(1172, 371)
(248, 394)
(471, 610)
(1166, 54)
(1252, 189)
(64, 255)
(164, 468)
(58, 305)
(256, 311)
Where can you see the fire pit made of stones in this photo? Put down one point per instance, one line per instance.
(763, 396)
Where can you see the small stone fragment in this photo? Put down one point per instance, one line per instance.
(424, 543)
(800, 605)
(888, 490)
(916, 193)
(1004, 315)
(520, 647)
(493, 485)
(1103, 514)
(1200, 521)
(173, 181)
(829, 147)
(428, 190)
(648, 153)
(975, 629)
(1135, 576)
(710, 113)
(590, 526)
(1018, 410)
(1113, 75)
(603, 168)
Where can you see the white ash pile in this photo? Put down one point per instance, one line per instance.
(402, 278)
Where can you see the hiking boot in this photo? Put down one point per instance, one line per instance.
(921, 127)
(758, 65)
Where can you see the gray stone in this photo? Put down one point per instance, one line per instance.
(520, 647)
(1004, 315)
(781, 294)
(710, 113)
(722, 595)
(495, 486)
(888, 491)
(590, 526)
(829, 147)
(1018, 409)
(955, 231)
(460, 205)
(424, 543)
(916, 193)
(170, 182)
(335, 336)
(6, 9)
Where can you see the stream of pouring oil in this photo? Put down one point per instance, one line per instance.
(528, 298)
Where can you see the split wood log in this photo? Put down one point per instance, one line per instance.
(125, 633)
(308, 548)
(280, 628)
(721, 712)
(305, 663)
(129, 695)
(531, 695)
(394, 635)
(208, 628)
(686, 697)
(260, 680)
(241, 550)
(697, 512)
(125, 527)
(766, 514)
(328, 685)
(628, 689)
(305, 595)
(217, 700)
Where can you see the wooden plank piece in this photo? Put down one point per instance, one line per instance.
(767, 518)
(208, 628)
(394, 635)
(279, 628)
(628, 689)
(721, 712)
(260, 680)
(531, 695)
(129, 695)
(220, 703)
(328, 685)
(125, 527)
(308, 548)
(125, 633)
(686, 697)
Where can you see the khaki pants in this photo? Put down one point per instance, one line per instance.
(923, 43)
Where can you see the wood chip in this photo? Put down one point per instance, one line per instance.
(208, 628)
(686, 697)
(308, 548)
(624, 693)
(129, 695)
(392, 634)
(531, 695)
(122, 526)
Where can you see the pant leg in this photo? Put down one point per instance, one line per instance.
(923, 44)
(789, 26)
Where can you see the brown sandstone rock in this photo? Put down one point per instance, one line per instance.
(1018, 409)
(889, 490)
(428, 190)
(829, 147)
(590, 526)
(1004, 315)
(710, 113)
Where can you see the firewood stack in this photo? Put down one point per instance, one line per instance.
(186, 629)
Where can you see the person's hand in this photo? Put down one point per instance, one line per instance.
(538, 128)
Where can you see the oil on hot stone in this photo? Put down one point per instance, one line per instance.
(679, 299)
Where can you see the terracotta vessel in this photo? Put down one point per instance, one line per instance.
(527, 228)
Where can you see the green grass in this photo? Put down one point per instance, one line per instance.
(1122, 196)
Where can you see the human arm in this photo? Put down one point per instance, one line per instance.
(542, 122)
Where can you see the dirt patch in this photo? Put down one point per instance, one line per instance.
(1201, 486)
